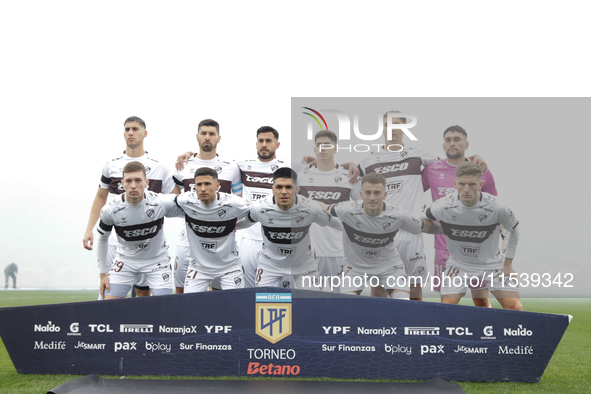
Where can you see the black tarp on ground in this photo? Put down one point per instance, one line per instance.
(92, 384)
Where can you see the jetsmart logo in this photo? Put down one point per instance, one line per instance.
(138, 328)
(392, 121)
(421, 330)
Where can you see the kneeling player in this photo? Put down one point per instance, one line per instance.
(370, 226)
(285, 220)
(210, 218)
(470, 220)
(138, 217)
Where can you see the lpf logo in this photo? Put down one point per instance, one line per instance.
(386, 124)
(273, 316)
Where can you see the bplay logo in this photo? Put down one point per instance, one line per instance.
(386, 123)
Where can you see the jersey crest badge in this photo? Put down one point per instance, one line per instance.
(222, 213)
(338, 180)
(482, 218)
(299, 220)
(150, 213)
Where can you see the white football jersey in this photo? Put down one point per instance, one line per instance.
(159, 177)
(472, 233)
(286, 234)
(329, 187)
(228, 174)
(402, 171)
(210, 229)
(257, 184)
(139, 226)
(369, 241)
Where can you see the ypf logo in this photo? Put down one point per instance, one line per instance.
(273, 316)
(344, 128)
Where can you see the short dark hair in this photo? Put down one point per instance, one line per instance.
(285, 172)
(392, 116)
(134, 166)
(326, 133)
(135, 119)
(373, 178)
(268, 129)
(209, 122)
(456, 128)
(204, 171)
(468, 168)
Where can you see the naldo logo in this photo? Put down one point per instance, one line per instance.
(392, 124)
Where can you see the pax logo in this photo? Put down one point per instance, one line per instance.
(125, 346)
(431, 349)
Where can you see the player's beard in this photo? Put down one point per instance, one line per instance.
(208, 148)
(267, 155)
(454, 156)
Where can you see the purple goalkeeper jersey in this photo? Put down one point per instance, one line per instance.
(439, 177)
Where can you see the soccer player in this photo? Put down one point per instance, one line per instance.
(470, 220)
(285, 220)
(208, 138)
(110, 186)
(439, 177)
(257, 183)
(401, 166)
(328, 183)
(370, 227)
(138, 218)
(210, 218)
(9, 272)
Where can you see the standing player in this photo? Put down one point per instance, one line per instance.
(9, 272)
(370, 226)
(210, 219)
(401, 166)
(439, 177)
(138, 218)
(470, 220)
(257, 183)
(285, 220)
(328, 183)
(159, 177)
(208, 137)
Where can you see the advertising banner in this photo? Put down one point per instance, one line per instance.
(277, 333)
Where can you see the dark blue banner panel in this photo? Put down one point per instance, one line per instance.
(277, 333)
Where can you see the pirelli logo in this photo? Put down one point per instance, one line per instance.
(273, 316)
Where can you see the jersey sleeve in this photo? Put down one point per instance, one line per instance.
(243, 207)
(508, 218)
(167, 181)
(428, 158)
(489, 184)
(411, 223)
(356, 191)
(425, 178)
(105, 179)
(105, 224)
(171, 208)
(236, 180)
(322, 219)
(434, 211)
(178, 178)
(253, 213)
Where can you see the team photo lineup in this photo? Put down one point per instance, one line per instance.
(313, 224)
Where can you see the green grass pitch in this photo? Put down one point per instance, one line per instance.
(569, 371)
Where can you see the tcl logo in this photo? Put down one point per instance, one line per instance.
(208, 229)
(468, 234)
(392, 168)
(278, 235)
(140, 232)
(320, 195)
